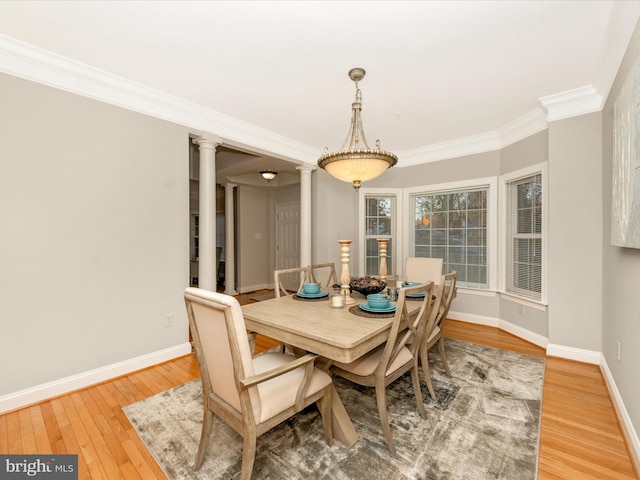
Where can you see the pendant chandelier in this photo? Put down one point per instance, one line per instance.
(355, 162)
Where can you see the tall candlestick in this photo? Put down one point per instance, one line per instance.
(382, 251)
(345, 277)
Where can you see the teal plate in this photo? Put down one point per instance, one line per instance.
(365, 306)
(312, 295)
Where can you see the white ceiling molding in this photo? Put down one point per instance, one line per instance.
(484, 142)
(26, 61)
(623, 21)
(591, 98)
(529, 124)
(572, 102)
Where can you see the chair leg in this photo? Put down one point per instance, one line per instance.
(207, 422)
(424, 361)
(326, 414)
(415, 379)
(443, 356)
(248, 455)
(381, 399)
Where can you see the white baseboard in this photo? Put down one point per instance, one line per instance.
(572, 353)
(513, 329)
(253, 288)
(42, 392)
(627, 426)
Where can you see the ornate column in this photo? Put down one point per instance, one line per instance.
(207, 211)
(382, 251)
(229, 241)
(305, 213)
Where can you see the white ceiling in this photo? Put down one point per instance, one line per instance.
(436, 71)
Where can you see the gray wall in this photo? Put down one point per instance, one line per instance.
(620, 272)
(94, 253)
(575, 232)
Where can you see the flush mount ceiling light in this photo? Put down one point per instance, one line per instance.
(356, 162)
(268, 175)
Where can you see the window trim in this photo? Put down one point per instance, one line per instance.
(492, 220)
(505, 234)
(399, 233)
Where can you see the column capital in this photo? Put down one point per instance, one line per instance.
(207, 140)
(230, 186)
(306, 168)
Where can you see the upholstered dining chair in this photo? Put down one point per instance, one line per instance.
(289, 276)
(435, 327)
(251, 394)
(397, 356)
(323, 273)
(422, 269)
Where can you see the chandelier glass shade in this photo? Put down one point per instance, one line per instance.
(356, 162)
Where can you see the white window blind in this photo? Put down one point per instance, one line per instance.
(379, 223)
(524, 273)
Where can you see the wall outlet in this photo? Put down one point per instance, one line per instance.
(618, 349)
(168, 320)
(521, 309)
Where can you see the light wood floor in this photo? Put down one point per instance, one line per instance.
(580, 436)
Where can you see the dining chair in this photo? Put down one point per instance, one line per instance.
(422, 269)
(397, 356)
(435, 327)
(251, 394)
(289, 276)
(323, 273)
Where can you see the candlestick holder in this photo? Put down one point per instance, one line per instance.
(345, 277)
(382, 252)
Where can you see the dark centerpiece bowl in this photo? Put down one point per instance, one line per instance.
(367, 285)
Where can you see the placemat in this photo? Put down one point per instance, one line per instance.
(356, 310)
(296, 297)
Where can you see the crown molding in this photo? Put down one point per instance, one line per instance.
(572, 103)
(529, 124)
(31, 63)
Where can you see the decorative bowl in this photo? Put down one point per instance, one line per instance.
(367, 285)
(311, 288)
(378, 300)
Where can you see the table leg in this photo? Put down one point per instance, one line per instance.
(343, 429)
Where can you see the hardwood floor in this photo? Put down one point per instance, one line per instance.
(580, 437)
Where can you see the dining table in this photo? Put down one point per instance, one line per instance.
(334, 334)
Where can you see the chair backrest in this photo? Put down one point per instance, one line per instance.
(422, 269)
(448, 282)
(222, 345)
(323, 273)
(289, 277)
(416, 324)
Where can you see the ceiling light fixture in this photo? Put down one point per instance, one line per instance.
(268, 175)
(356, 162)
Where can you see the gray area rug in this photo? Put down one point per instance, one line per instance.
(484, 425)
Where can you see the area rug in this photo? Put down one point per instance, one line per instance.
(484, 425)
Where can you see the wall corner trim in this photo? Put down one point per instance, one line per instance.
(38, 393)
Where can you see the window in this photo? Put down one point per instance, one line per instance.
(379, 222)
(452, 225)
(525, 240)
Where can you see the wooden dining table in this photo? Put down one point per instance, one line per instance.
(335, 334)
